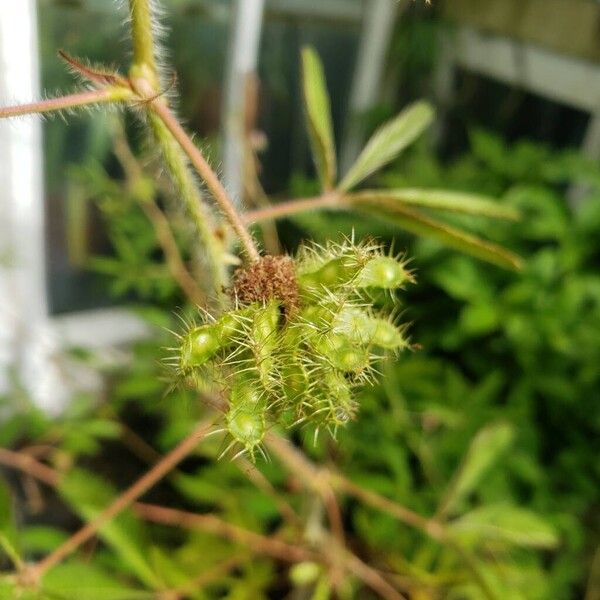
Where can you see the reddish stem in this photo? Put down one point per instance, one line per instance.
(101, 96)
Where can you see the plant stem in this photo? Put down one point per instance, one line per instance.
(259, 543)
(101, 96)
(331, 200)
(28, 464)
(162, 229)
(192, 199)
(142, 485)
(209, 177)
(144, 78)
(142, 35)
(371, 577)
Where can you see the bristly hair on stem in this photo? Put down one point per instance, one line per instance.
(145, 79)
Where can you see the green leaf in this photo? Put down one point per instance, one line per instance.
(88, 495)
(460, 202)
(8, 532)
(506, 523)
(421, 224)
(318, 116)
(486, 448)
(41, 539)
(388, 141)
(88, 582)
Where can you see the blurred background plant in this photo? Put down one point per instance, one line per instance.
(490, 426)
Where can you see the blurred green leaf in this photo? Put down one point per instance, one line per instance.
(318, 115)
(461, 202)
(88, 495)
(88, 582)
(420, 224)
(485, 450)
(388, 141)
(41, 539)
(506, 523)
(8, 531)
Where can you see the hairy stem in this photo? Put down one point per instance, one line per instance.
(210, 523)
(160, 223)
(191, 197)
(145, 80)
(142, 35)
(209, 177)
(291, 207)
(27, 464)
(142, 485)
(101, 96)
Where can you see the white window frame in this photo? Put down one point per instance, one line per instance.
(32, 341)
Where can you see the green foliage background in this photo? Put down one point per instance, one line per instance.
(492, 422)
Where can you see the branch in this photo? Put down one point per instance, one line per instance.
(330, 200)
(185, 183)
(145, 79)
(160, 223)
(257, 542)
(319, 479)
(142, 36)
(142, 485)
(209, 177)
(371, 577)
(105, 95)
(219, 570)
(28, 464)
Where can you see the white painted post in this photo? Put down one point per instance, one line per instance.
(243, 58)
(26, 343)
(378, 26)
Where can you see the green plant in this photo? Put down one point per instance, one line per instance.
(522, 350)
(283, 320)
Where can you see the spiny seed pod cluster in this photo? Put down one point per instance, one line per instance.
(301, 336)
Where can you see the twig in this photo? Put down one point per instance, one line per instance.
(159, 221)
(330, 200)
(212, 524)
(323, 479)
(141, 486)
(144, 78)
(314, 478)
(432, 528)
(173, 258)
(372, 578)
(142, 35)
(205, 578)
(263, 484)
(28, 464)
(100, 96)
(208, 175)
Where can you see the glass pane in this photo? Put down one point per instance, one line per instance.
(281, 115)
(94, 29)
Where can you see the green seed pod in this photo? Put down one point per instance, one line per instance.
(229, 325)
(198, 346)
(305, 573)
(387, 335)
(382, 272)
(365, 329)
(332, 274)
(295, 381)
(246, 416)
(246, 427)
(264, 332)
(334, 404)
(355, 323)
(343, 354)
(246, 393)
